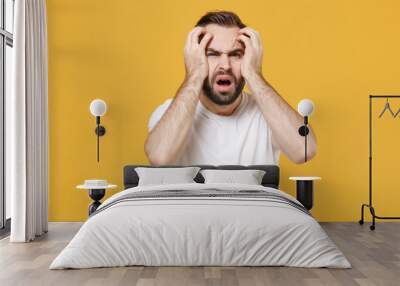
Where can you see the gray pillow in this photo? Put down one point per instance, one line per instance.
(249, 177)
(162, 176)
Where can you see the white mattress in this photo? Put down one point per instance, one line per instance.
(200, 231)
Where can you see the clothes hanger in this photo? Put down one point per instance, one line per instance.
(398, 112)
(387, 107)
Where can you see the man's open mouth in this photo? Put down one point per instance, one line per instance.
(224, 82)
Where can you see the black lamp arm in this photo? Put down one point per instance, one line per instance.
(100, 131)
(303, 131)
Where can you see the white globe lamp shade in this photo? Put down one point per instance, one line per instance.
(305, 107)
(98, 107)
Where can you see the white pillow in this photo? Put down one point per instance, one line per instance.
(162, 176)
(249, 177)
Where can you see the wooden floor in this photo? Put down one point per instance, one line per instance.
(375, 257)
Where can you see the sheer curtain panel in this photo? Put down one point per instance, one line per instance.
(27, 124)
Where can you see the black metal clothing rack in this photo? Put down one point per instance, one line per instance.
(369, 205)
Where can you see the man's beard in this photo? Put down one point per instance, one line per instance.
(223, 98)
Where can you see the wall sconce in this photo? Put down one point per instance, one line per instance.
(305, 108)
(98, 108)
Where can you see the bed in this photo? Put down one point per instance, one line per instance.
(201, 224)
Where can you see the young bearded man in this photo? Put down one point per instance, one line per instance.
(211, 120)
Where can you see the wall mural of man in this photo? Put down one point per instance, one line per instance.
(211, 120)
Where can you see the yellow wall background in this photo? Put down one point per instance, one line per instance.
(130, 53)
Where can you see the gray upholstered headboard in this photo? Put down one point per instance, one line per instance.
(270, 179)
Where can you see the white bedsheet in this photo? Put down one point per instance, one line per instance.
(200, 231)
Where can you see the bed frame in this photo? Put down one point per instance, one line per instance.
(270, 179)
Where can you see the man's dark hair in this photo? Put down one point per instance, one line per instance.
(222, 18)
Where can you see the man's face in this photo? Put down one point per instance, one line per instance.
(224, 53)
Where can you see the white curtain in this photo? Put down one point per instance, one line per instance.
(27, 124)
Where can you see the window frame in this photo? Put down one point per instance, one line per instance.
(6, 39)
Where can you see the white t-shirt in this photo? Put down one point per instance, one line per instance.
(242, 138)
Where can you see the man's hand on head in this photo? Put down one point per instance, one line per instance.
(195, 53)
(252, 60)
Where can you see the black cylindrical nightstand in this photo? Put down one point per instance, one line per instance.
(305, 190)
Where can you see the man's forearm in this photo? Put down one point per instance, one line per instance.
(283, 120)
(168, 137)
